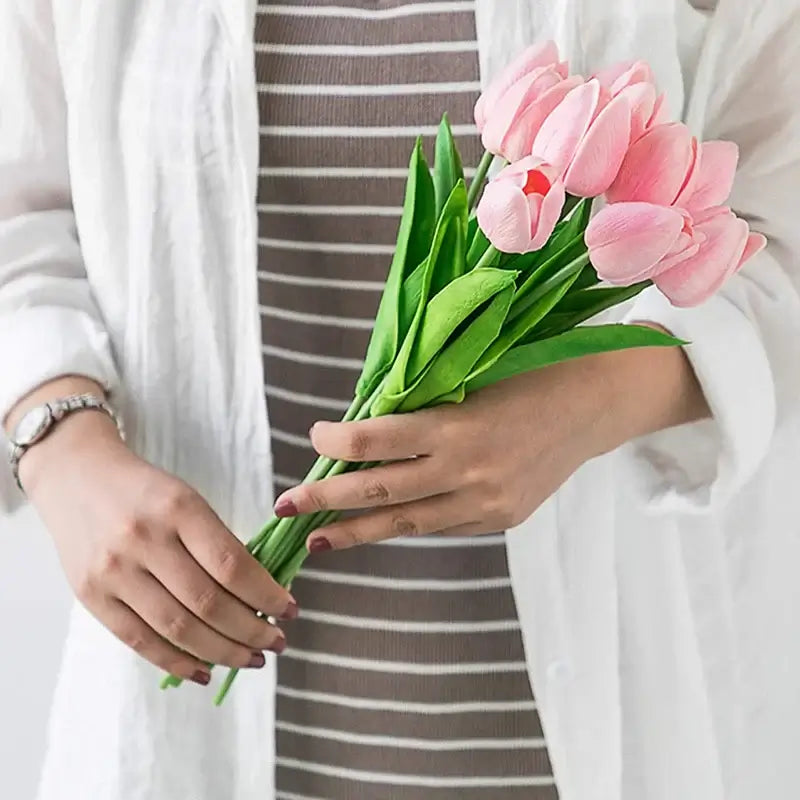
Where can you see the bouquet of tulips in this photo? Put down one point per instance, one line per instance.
(497, 279)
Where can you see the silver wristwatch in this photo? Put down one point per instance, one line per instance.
(39, 421)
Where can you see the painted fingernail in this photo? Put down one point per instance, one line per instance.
(319, 545)
(291, 611)
(257, 661)
(285, 508)
(279, 645)
(202, 677)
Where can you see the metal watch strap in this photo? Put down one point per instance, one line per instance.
(59, 410)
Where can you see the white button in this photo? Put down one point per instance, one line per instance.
(559, 671)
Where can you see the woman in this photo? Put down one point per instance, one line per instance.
(648, 591)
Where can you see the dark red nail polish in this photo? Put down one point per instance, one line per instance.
(291, 611)
(203, 678)
(319, 545)
(257, 661)
(278, 646)
(285, 508)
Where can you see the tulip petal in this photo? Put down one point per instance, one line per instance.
(642, 100)
(714, 180)
(638, 72)
(537, 55)
(697, 278)
(518, 142)
(756, 242)
(656, 166)
(600, 154)
(660, 112)
(549, 213)
(563, 130)
(627, 241)
(504, 216)
(609, 75)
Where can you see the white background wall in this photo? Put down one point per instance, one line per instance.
(34, 604)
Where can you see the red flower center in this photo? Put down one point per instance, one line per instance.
(537, 183)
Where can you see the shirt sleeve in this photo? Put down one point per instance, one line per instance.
(745, 341)
(49, 323)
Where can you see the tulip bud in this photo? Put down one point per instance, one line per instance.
(521, 206)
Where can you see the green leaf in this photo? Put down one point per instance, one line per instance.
(413, 243)
(479, 244)
(516, 330)
(432, 329)
(413, 298)
(447, 170)
(578, 306)
(587, 278)
(450, 366)
(449, 262)
(576, 343)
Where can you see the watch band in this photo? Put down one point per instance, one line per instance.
(56, 411)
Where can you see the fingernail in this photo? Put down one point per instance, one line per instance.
(257, 661)
(311, 430)
(285, 508)
(279, 645)
(319, 545)
(201, 677)
(291, 611)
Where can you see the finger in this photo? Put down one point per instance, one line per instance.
(391, 438)
(192, 586)
(399, 482)
(133, 631)
(410, 519)
(227, 561)
(167, 617)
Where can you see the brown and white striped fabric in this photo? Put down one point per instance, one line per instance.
(405, 676)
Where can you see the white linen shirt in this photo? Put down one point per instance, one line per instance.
(656, 590)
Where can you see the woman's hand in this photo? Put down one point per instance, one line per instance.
(489, 463)
(147, 556)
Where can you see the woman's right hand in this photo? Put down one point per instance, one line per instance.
(147, 556)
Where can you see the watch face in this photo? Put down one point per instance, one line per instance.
(33, 425)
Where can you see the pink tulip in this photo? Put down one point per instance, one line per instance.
(521, 206)
(542, 54)
(667, 166)
(630, 242)
(520, 111)
(727, 243)
(688, 260)
(586, 136)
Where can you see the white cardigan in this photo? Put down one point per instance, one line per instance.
(656, 590)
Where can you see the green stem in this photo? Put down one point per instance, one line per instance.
(488, 257)
(524, 302)
(480, 177)
(280, 545)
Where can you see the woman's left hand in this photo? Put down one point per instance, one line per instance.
(487, 464)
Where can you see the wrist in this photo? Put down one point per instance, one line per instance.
(52, 390)
(81, 434)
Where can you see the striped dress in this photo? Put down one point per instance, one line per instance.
(405, 676)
